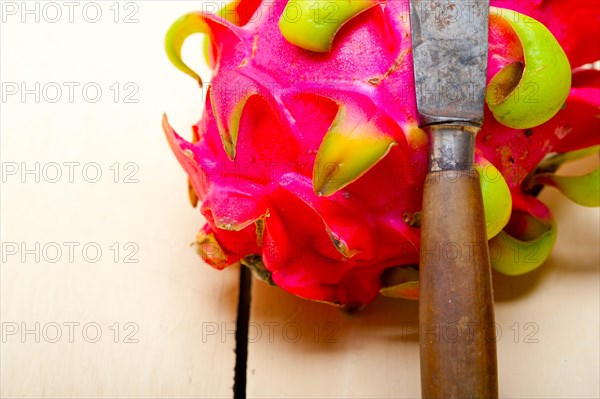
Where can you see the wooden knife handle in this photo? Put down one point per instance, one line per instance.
(456, 313)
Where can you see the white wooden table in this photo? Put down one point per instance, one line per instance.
(165, 320)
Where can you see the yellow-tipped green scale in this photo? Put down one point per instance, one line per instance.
(351, 146)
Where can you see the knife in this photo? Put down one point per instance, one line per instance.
(456, 314)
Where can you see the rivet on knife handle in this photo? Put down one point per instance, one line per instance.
(457, 335)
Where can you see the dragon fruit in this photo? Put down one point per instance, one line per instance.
(308, 161)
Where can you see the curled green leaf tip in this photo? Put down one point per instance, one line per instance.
(583, 190)
(524, 96)
(179, 31)
(312, 25)
(523, 246)
(497, 200)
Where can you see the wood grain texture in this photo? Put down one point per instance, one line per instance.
(182, 311)
(305, 349)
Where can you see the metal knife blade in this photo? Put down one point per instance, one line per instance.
(450, 40)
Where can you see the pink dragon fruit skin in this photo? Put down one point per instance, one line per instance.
(278, 116)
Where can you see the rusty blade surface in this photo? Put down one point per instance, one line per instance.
(450, 40)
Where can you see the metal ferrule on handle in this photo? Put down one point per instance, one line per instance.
(451, 147)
